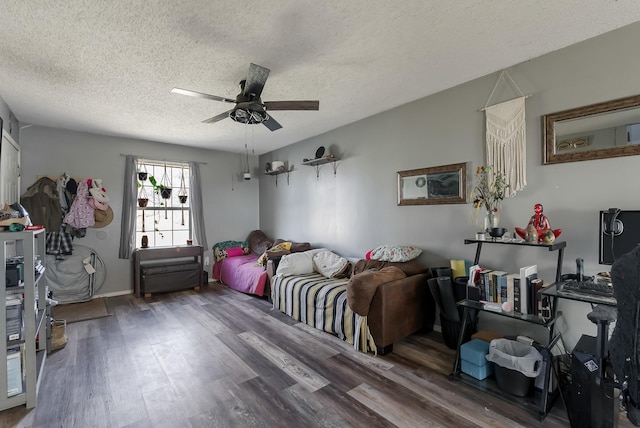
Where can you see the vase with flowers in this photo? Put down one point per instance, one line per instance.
(488, 194)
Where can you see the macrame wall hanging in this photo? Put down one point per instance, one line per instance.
(506, 137)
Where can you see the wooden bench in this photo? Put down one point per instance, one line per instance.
(164, 269)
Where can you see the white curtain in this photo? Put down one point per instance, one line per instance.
(197, 212)
(129, 210)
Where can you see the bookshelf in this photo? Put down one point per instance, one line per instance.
(32, 341)
(540, 401)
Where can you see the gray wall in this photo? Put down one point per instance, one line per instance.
(230, 214)
(356, 210)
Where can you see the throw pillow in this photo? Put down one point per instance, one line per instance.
(297, 263)
(330, 264)
(259, 242)
(235, 252)
(282, 246)
(220, 249)
(395, 253)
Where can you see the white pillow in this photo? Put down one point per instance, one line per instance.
(329, 264)
(297, 263)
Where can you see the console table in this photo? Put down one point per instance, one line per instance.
(540, 401)
(162, 269)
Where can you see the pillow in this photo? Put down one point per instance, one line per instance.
(220, 249)
(330, 264)
(296, 247)
(395, 253)
(259, 242)
(363, 286)
(297, 263)
(282, 246)
(235, 252)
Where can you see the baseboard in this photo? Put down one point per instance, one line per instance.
(125, 292)
(113, 294)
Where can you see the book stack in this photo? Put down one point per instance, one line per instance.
(14, 320)
(520, 290)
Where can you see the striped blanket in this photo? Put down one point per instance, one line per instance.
(322, 303)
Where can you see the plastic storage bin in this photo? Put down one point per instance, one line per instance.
(517, 364)
(473, 359)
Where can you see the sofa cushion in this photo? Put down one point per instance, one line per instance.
(296, 247)
(297, 263)
(363, 286)
(394, 253)
(277, 249)
(330, 265)
(409, 268)
(259, 242)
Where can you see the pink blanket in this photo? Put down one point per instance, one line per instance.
(240, 273)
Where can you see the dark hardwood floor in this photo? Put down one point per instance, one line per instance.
(219, 358)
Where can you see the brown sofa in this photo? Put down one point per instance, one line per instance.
(397, 308)
(400, 307)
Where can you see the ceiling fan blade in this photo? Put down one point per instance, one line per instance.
(271, 123)
(256, 78)
(201, 95)
(218, 118)
(292, 105)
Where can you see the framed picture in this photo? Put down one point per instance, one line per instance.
(446, 184)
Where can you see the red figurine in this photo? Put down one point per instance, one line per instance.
(542, 226)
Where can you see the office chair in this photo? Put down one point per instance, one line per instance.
(623, 346)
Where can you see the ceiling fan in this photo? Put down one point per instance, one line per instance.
(249, 108)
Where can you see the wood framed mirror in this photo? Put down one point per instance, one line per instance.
(597, 131)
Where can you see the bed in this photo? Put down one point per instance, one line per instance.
(241, 273)
(241, 264)
(321, 303)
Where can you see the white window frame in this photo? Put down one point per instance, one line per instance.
(161, 231)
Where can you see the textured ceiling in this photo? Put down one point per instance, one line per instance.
(107, 67)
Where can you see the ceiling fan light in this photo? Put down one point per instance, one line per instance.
(244, 115)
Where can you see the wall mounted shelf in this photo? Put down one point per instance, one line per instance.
(277, 173)
(316, 163)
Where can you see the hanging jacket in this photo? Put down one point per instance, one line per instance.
(42, 202)
(81, 213)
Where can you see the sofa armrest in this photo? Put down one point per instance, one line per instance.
(400, 308)
(272, 266)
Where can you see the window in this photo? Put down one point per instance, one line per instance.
(165, 217)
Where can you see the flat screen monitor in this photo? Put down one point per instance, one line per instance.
(619, 234)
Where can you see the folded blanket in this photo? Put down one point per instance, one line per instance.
(409, 268)
(363, 286)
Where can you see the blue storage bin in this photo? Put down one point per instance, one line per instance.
(473, 359)
(475, 351)
(478, 372)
